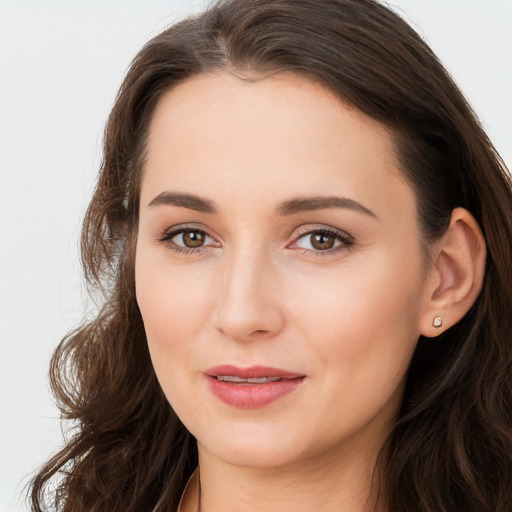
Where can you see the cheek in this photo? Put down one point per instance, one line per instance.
(363, 322)
(175, 306)
(170, 295)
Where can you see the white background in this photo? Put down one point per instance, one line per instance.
(61, 63)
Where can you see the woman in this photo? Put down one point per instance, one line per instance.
(303, 236)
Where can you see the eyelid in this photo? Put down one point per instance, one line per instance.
(315, 228)
(167, 235)
(346, 239)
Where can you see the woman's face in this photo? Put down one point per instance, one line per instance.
(279, 243)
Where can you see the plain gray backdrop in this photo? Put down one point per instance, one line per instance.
(61, 63)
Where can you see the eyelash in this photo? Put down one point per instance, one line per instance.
(345, 240)
(167, 236)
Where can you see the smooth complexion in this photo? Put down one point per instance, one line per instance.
(276, 230)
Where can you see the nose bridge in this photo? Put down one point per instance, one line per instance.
(246, 304)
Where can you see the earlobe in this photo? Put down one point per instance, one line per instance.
(457, 274)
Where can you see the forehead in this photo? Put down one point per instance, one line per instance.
(270, 138)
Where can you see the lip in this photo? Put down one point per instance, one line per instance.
(251, 396)
(251, 372)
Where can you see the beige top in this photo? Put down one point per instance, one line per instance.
(188, 502)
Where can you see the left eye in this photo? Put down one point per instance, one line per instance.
(321, 241)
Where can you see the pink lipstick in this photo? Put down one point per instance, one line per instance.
(251, 387)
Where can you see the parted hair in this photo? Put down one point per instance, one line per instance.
(451, 447)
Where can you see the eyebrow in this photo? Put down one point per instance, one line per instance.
(289, 207)
(307, 204)
(189, 201)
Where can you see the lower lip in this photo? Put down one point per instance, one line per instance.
(252, 396)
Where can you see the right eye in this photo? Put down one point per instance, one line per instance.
(190, 239)
(187, 240)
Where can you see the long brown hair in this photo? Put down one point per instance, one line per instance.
(451, 447)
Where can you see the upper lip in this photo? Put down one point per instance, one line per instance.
(251, 372)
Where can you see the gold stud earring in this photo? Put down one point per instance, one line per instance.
(437, 322)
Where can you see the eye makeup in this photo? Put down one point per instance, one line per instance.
(316, 241)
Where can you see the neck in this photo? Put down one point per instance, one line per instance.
(327, 483)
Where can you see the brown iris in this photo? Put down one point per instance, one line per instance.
(193, 238)
(322, 241)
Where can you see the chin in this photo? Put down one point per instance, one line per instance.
(255, 455)
(256, 446)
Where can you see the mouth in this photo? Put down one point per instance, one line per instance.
(250, 375)
(252, 387)
(251, 380)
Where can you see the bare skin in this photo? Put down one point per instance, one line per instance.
(234, 267)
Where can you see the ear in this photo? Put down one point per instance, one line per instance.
(456, 275)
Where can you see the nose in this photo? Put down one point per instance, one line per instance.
(249, 304)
